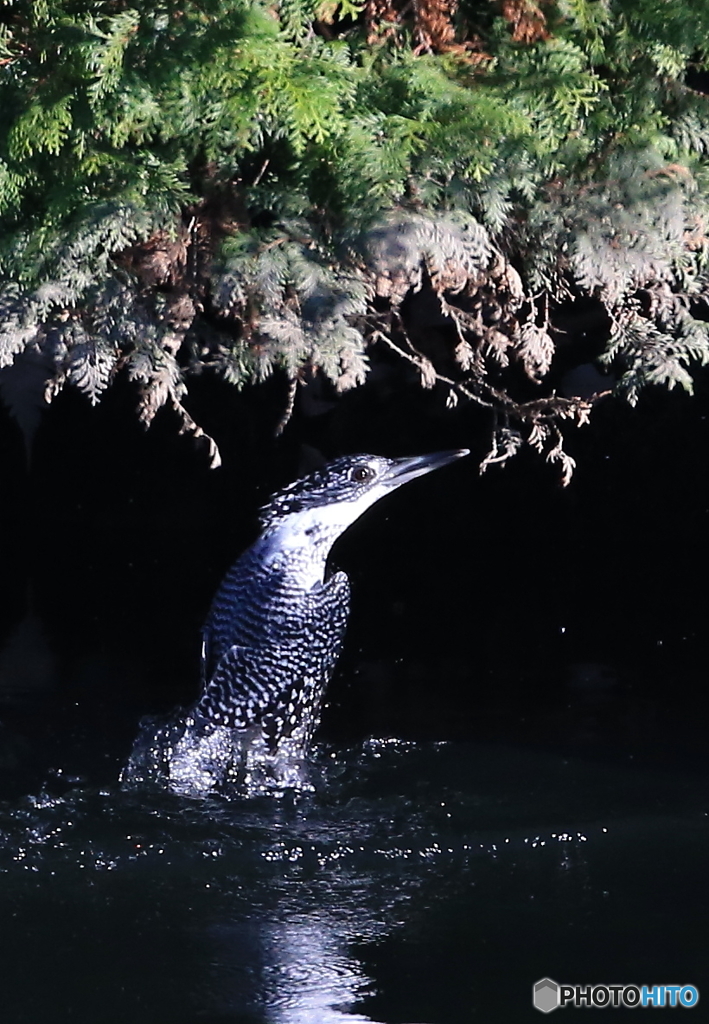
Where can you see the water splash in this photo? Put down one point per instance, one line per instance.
(200, 758)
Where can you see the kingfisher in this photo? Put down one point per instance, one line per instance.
(275, 631)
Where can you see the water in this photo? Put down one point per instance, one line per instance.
(198, 758)
(419, 884)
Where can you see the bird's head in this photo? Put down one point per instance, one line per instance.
(322, 505)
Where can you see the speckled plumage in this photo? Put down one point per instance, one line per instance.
(270, 643)
(270, 647)
(276, 626)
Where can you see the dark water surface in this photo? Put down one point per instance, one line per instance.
(421, 884)
(556, 639)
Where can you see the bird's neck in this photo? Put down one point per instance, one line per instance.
(297, 549)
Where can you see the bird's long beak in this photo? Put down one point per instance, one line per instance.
(404, 470)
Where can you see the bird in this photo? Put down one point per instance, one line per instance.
(274, 633)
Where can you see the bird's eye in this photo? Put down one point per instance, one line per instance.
(361, 473)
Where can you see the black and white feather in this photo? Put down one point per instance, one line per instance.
(273, 637)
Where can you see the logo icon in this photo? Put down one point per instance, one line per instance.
(545, 995)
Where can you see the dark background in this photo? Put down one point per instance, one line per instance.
(496, 608)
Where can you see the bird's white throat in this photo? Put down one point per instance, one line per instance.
(300, 542)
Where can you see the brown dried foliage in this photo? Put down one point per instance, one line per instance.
(526, 20)
(433, 25)
(159, 260)
(381, 17)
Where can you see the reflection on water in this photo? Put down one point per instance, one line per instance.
(300, 969)
(426, 884)
(417, 884)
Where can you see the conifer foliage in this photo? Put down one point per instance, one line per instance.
(243, 188)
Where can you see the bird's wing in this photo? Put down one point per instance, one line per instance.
(205, 656)
(237, 695)
(246, 684)
(332, 600)
(210, 654)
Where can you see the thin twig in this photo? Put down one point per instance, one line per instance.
(188, 426)
(290, 405)
(416, 360)
(540, 408)
(261, 173)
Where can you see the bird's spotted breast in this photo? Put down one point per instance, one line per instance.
(272, 647)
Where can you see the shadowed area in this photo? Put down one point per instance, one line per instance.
(421, 883)
(553, 639)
